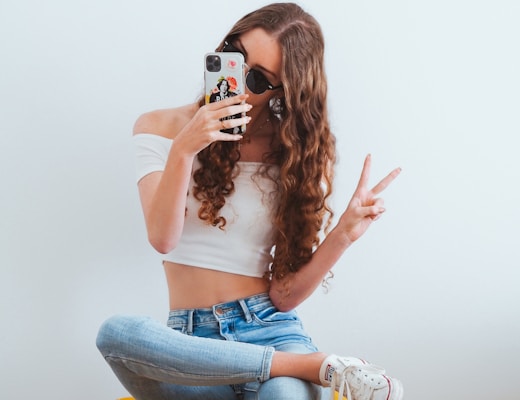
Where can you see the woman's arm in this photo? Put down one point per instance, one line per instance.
(163, 199)
(362, 210)
(163, 194)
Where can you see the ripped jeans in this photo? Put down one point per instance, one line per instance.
(219, 353)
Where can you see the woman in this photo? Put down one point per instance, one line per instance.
(237, 222)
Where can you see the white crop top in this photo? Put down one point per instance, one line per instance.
(244, 245)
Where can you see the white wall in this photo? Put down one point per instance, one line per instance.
(430, 292)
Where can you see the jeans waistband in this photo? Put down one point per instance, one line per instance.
(241, 307)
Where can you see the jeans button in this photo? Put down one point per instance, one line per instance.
(219, 311)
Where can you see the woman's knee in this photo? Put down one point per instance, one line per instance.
(115, 330)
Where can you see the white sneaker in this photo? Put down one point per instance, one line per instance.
(358, 380)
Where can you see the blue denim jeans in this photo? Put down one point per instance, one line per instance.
(218, 353)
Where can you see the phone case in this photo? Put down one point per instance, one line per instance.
(223, 78)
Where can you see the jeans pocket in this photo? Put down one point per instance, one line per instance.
(272, 316)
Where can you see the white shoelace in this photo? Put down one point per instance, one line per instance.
(339, 382)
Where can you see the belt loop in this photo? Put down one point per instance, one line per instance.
(190, 322)
(245, 309)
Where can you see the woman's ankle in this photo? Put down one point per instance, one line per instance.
(302, 366)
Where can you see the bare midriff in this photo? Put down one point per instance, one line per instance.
(192, 287)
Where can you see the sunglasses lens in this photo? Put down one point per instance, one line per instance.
(256, 82)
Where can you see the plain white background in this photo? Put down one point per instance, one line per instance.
(430, 292)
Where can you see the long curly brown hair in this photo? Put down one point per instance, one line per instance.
(306, 151)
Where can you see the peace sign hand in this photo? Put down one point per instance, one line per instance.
(364, 207)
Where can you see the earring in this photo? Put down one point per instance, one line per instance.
(276, 105)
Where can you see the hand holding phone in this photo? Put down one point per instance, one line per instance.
(224, 78)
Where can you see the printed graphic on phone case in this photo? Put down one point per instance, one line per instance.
(224, 79)
(225, 87)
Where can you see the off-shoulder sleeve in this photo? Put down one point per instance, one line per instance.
(151, 153)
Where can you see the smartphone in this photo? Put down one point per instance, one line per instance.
(223, 78)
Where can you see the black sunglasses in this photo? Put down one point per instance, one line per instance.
(255, 80)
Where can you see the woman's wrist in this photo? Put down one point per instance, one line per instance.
(340, 238)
